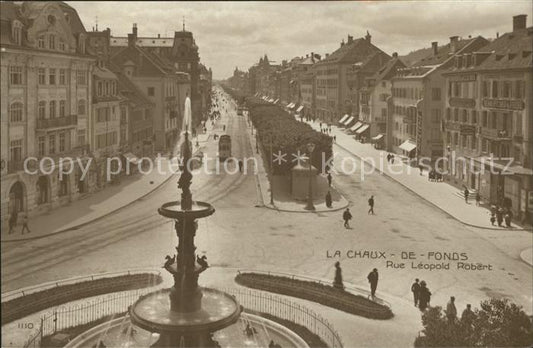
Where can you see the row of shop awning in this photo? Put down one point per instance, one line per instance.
(355, 126)
(344, 118)
(300, 108)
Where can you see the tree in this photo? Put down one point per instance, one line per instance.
(499, 323)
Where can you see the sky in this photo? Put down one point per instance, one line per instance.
(236, 34)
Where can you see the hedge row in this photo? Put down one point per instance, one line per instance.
(316, 292)
(38, 301)
(288, 136)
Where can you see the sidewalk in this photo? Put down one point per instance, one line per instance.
(527, 256)
(442, 195)
(99, 204)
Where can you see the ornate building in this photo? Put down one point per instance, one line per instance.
(46, 93)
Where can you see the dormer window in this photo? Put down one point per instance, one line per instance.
(40, 42)
(51, 19)
(81, 44)
(61, 45)
(52, 42)
(16, 32)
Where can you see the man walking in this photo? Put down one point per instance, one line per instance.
(371, 204)
(329, 179)
(478, 199)
(328, 199)
(415, 289)
(466, 195)
(12, 221)
(240, 166)
(451, 311)
(25, 223)
(347, 216)
(373, 280)
(424, 296)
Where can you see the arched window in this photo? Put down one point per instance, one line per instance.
(15, 112)
(16, 32)
(42, 110)
(81, 107)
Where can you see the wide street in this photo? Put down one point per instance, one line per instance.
(240, 235)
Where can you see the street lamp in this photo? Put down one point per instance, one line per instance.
(310, 206)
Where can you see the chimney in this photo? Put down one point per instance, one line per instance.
(158, 36)
(395, 55)
(453, 43)
(327, 55)
(519, 22)
(497, 35)
(350, 39)
(132, 38)
(368, 37)
(435, 47)
(342, 42)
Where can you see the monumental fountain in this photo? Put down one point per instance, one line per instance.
(185, 315)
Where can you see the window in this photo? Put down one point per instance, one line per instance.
(17, 33)
(63, 185)
(62, 77)
(81, 78)
(81, 137)
(519, 89)
(463, 141)
(102, 115)
(15, 150)
(474, 117)
(62, 108)
(506, 92)
(464, 117)
(52, 107)
(151, 91)
(81, 107)
(473, 142)
(384, 113)
(15, 112)
(15, 75)
(61, 45)
(40, 42)
(62, 142)
(52, 144)
(456, 115)
(100, 91)
(517, 123)
(42, 110)
(52, 76)
(485, 89)
(435, 93)
(494, 89)
(42, 147)
(42, 76)
(106, 88)
(52, 42)
(485, 119)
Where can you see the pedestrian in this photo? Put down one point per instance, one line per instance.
(392, 159)
(329, 179)
(415, 289)
(373, 280)
(466, 195)
(240, 166)
(224, 128)
(335, 138)
(499, 216)
(478, 199)
(424, 297)
(421, 169)
(12, 221)
(492, 219)
(337, 281)
(347, 216)
(25, 224)
(328, 199)
(388, 158)
(508, 217)
(468, 315)
(371, 204)
(451, 311)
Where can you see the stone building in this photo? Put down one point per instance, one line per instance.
(179, 52)
(374, 103)
(46, 92)
(418, 100)
(488, 119)
(160, 81)
(341, 74)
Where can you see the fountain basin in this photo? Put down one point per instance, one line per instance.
(152, 313)
(198, 210)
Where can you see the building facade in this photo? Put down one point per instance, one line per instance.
(488, 126)
(46, 94)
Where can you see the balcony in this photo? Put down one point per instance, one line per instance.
(462, 102)
(508, 104)
(495, 134)
(409, 120)
(453, 126)
(58, 122)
